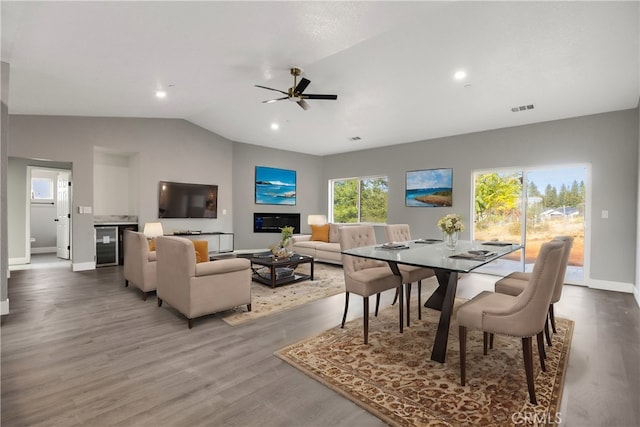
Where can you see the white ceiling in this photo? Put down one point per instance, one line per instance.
(391, 64)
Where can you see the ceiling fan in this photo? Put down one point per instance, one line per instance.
(295, 92)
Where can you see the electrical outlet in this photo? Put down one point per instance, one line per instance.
(605, 214)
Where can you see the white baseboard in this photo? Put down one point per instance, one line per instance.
(17, 261)
(636, 294)
(44, 250)
(606, 285)
(83, 266)
(4, 307)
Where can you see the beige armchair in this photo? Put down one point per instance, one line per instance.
(139, 262)
(199, 289)
(365, 277)
(410, 274)
(516, 282)
(517, 316)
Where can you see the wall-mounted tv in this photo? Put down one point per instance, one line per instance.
(182, 200)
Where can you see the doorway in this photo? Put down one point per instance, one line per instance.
(48, 225)
(531, 206)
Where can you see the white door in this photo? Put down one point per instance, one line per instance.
(63, 215)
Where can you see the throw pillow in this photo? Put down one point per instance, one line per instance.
(152, 245)
(320, 233)
(202, 250)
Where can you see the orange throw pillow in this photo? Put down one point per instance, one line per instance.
(320, 233)
(202, 250)
(152, 245)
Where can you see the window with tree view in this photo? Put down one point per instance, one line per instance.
(359, 199)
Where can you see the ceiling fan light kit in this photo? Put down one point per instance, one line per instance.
(295, 92)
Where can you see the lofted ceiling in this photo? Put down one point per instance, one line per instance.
(391, 64)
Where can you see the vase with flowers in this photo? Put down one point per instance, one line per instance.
(283, 249)
(451, 225)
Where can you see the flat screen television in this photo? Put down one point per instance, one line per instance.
(182, 200)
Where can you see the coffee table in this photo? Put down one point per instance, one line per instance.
(274, 263)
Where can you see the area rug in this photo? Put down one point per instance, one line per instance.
(327, 280)
(394, 378)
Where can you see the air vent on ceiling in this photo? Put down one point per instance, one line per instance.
(522, 108)
(355, 138)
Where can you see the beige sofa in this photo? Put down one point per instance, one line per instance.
(320, 251)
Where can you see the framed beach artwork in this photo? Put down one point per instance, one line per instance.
(275, 186)
(429, 188)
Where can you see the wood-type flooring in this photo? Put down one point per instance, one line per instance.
(80, 349)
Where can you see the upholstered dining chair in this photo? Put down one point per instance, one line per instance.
(139, 262)
(516, 316)
(410, 274)
(362, 276)
(197, 289)
(515, 283)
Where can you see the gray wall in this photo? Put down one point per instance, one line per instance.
(4, 118)
(637, 288)
(169, 149)
(177, 150)
(310, 190)
(609, 142)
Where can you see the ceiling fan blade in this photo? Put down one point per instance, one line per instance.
(270, 88)
(303, 104)
(302, 85)
(269, 101)
(316, 96)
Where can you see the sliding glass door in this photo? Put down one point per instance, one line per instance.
(531, 206)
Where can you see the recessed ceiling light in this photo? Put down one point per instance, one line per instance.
(161, 94)
(460, 75)
(275, 126)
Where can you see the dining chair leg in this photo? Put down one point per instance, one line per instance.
(346, 307)
(462, 333)
(408, 298)
(491, 341)
(527, 353)
(377, 303)
(126, 283)
(485, 339)
(419, 299)
(365, 309)
(546, 331)
(553, 319)
(400, 307)
(395, 298)
(542, 354)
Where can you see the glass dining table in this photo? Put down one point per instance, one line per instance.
(447, 264)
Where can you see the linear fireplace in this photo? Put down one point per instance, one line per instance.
(273, 222)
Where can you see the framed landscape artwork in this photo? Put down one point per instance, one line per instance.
(429, 188)
(275, 186)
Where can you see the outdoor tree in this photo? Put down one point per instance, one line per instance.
(497, 197)
(345, 201)
(373, 200)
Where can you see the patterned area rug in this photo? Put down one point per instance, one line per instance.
(328, 281)
(395, 379)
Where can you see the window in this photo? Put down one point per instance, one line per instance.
(359, 199)
(531, 206)
(41, 189)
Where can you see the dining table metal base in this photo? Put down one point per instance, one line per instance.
(442, 299)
